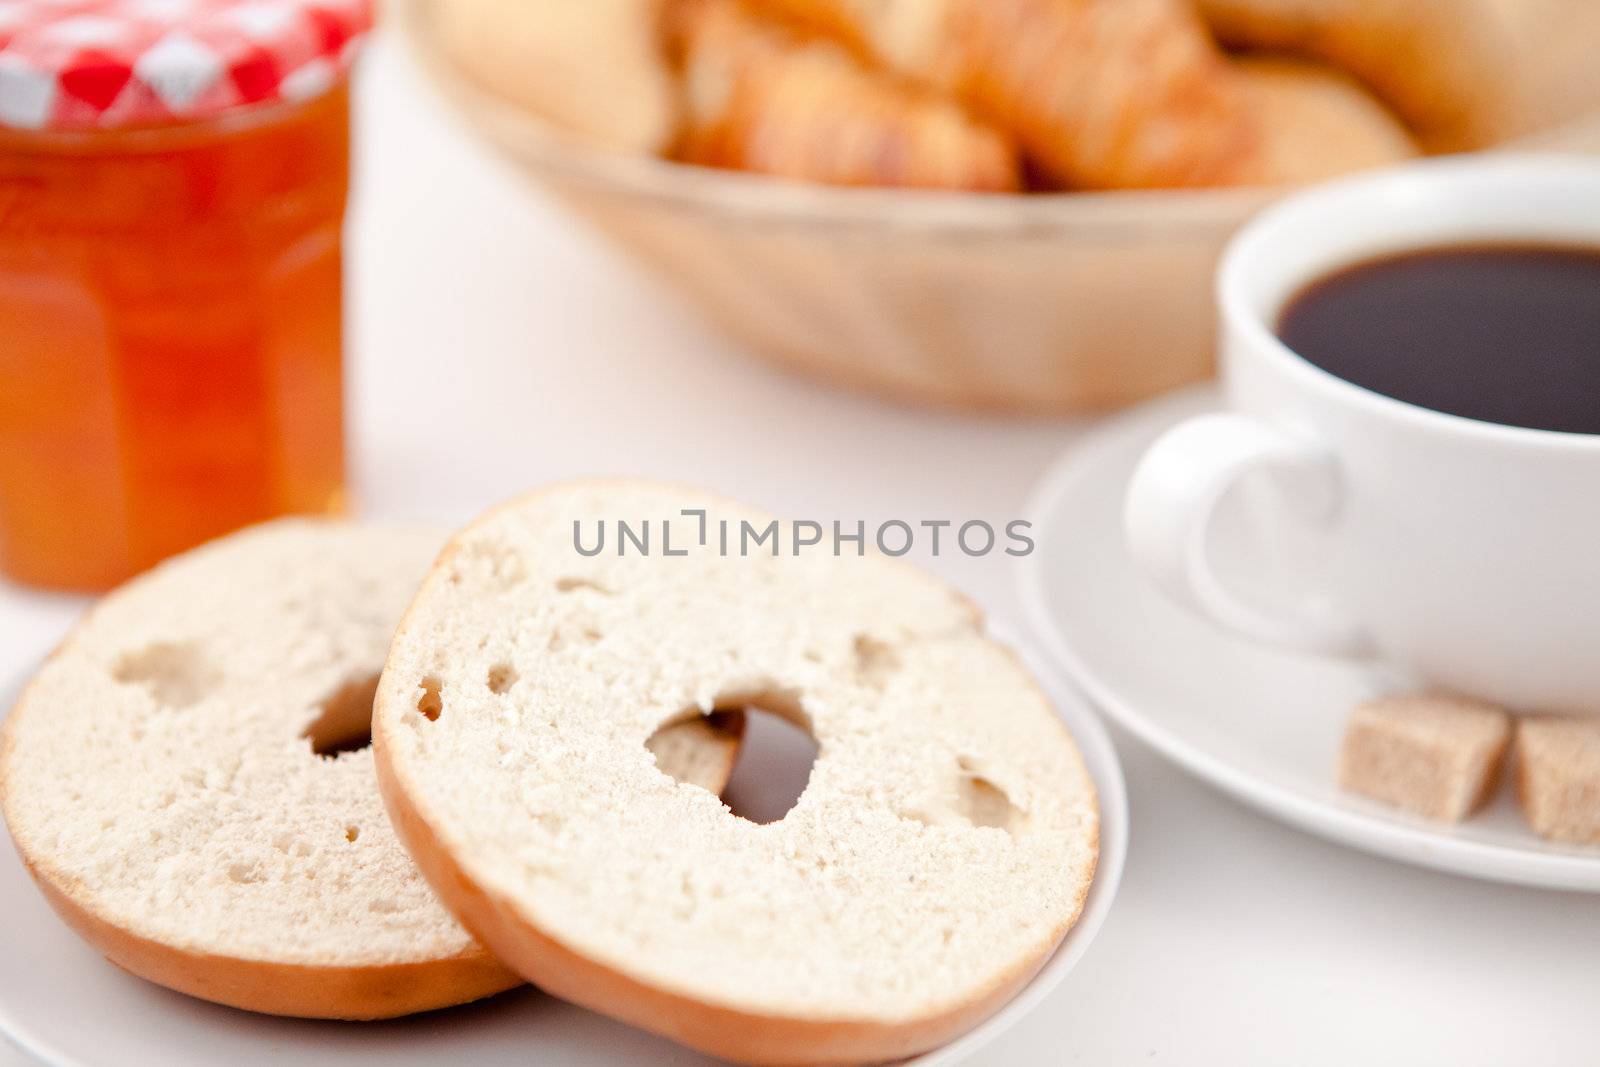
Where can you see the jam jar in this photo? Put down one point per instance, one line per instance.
(173, 178)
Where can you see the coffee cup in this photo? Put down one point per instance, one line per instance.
(1464, 552)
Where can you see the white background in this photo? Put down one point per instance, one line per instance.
(498, 345)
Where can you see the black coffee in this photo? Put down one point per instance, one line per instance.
(1504, 333)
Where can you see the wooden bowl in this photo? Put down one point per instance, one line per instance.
(1045, 303)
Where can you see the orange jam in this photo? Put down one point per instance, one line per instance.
(170, 353)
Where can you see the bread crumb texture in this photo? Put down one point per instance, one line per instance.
(1433, 755)
(944, 842)
(1558, 777)
(162, 769)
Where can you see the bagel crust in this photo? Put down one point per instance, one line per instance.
(942, 848)
(381, 991)
(160, 780)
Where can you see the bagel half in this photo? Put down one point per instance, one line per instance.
(941, 849)
(161, 781)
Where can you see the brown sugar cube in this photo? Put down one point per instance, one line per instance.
(1558, 777)
(1430, 754)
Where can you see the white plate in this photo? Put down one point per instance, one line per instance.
(63, 1003)
(1260, 724)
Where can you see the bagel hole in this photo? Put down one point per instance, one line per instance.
(175, 675)
(696, 750)
(430, 703)
(345, 720)
(774, 762)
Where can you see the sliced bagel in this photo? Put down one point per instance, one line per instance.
(1445, 66)
(162, 780)
(938, 854)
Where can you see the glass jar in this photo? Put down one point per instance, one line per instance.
(170, 334)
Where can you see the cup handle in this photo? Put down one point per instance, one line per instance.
(1173, 498)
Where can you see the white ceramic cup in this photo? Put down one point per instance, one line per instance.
(1464, 552)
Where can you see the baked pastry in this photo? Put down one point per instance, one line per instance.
(760, 97)
(185, 780)
(593, 67)
(1106, 94)
(1443, 65)
(1554, 79)
(995, 95)
(1317, 122)
(941, 849)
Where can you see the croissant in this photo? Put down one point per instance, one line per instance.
(1443, 65)
(1099, 93)
(1318, 122)
(593, 68)
(762, 97)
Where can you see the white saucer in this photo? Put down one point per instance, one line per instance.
(1260, 724)
(68, 1007)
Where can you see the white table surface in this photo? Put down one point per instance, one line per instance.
(498, 345)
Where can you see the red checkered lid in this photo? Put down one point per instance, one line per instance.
(87, 64)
